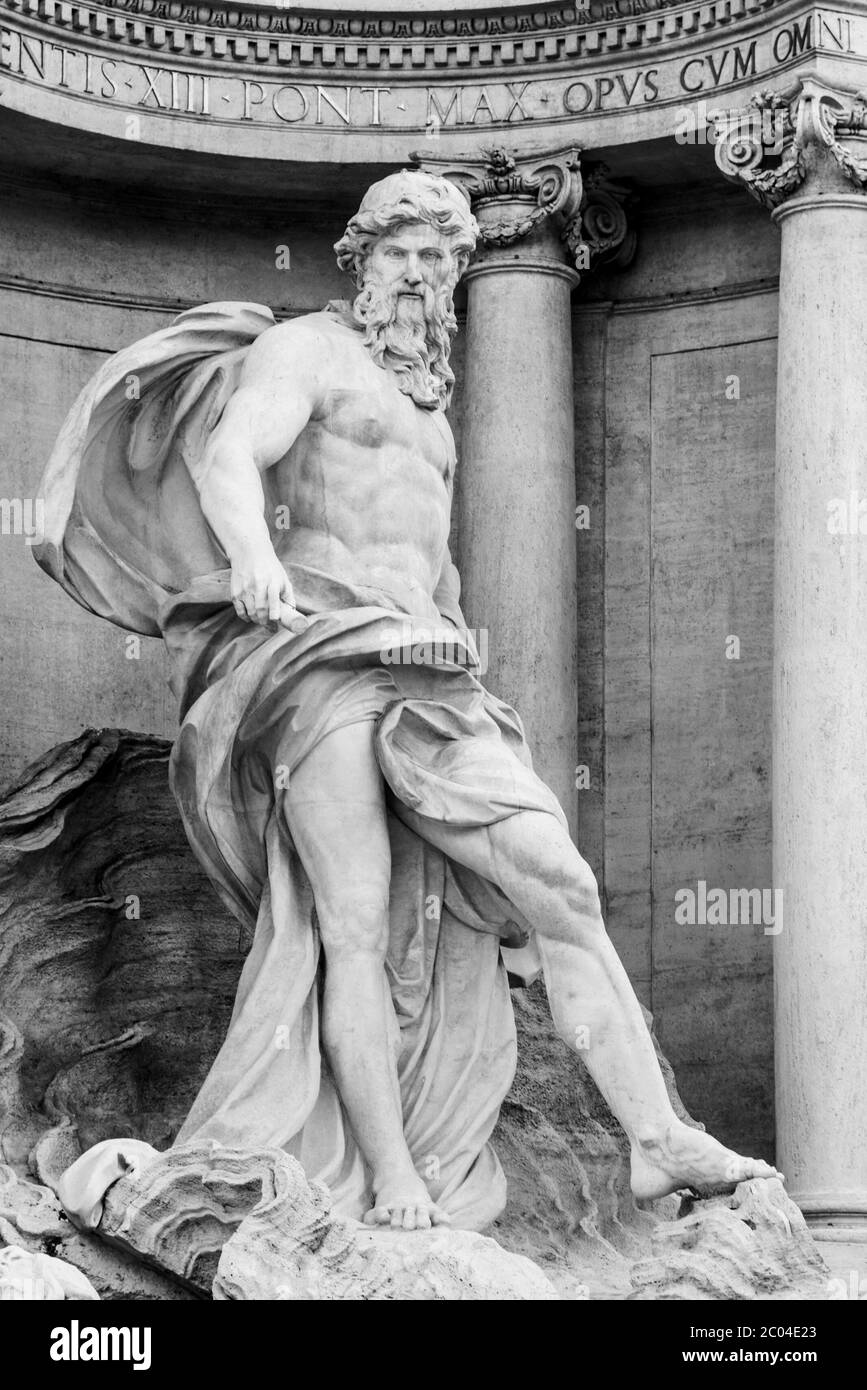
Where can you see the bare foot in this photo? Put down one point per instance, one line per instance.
(685, 1157)
(404, 1203)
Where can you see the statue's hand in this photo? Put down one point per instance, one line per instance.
(262, 593)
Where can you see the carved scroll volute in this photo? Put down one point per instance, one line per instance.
(602, 233)
(757, 144)
(812, 140)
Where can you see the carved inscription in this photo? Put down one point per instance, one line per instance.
(157, 88)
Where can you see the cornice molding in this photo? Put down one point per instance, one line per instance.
(512, 39)
(111, 299)
(688, 298)
(21, 285)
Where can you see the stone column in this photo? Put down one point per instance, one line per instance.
(805, 161)
(516, 476)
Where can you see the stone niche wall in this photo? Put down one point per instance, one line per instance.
(675, 389)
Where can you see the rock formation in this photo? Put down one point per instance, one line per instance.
(245, 1224)
(119, 968)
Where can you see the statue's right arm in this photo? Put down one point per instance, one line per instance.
(274, 400)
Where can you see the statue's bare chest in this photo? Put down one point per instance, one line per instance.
(375, 415)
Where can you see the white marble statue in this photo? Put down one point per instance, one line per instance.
(275, 500)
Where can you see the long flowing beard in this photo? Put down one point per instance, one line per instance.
(416, 349)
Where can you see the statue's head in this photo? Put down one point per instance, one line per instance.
(406, 248)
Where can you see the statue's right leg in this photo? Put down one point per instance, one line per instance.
(335, 807)
(530, 856)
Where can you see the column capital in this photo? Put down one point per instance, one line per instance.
(795, 143)
(604, 224)
(514, 196)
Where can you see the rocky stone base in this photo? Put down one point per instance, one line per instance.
(119, 972)
(751, 1243)
(241, 1224)
(32, 1219)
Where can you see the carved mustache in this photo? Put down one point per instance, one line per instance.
(380, 302)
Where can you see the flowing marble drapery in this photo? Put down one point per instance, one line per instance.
(124, 534)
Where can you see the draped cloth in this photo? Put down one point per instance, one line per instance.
(125, 536)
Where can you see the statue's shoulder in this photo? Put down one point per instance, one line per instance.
(304, 335)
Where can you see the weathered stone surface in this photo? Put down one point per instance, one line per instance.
(119, 963)
(28, 1210)
(32, 1219)
(752, 1243)
(108, 1024)
(566, 1159)
(15, 1114)
(54, 1152)
(292, 1252)
(179, 1211)
(265, 1259)
(248, 1224)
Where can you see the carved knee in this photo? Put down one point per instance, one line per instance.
(352, 924)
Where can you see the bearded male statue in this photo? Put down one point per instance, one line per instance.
(274, 500)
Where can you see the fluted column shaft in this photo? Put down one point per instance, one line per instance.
(814, 186)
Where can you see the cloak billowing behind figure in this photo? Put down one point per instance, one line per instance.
(126, 537)
(124, 529)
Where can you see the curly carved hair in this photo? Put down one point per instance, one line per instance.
(401, 199)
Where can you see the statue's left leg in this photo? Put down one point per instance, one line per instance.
(532, 859)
